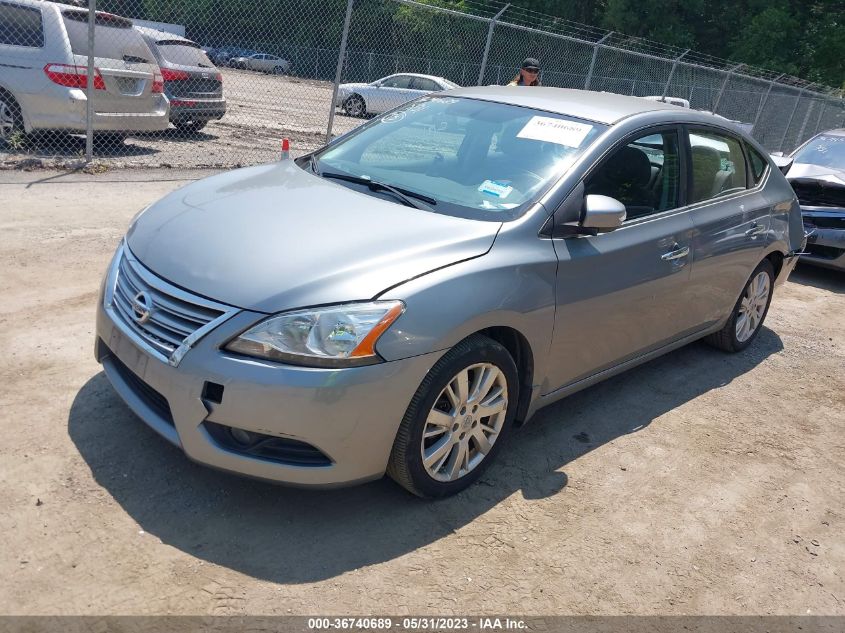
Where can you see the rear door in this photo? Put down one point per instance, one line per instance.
(122, 59)
(731, 215)
(624, 293)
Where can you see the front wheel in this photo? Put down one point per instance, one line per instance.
(749, 312)
(457, 419)
(279, 70)
(355, 106)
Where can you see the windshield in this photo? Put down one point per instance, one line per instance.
(824, 150)
(476, 159)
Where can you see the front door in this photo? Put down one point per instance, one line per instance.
(624, 293)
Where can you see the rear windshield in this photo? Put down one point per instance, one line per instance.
(114, 37)
(825, 150)
(184, 53)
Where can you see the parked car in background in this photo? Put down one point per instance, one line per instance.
(548, 240)
(221, 56)
(262, 62)
(388, 92)
(817, 175)
(44, 70)
(191, 82)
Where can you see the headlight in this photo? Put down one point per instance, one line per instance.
(334, 336)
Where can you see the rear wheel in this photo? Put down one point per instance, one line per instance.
(457, 419)
(11, 119)
(748, 313)
(190, 127)
(355, 106)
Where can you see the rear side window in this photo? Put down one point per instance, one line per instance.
(21, 26)
(758, 164)
(114, 37)
(421, 83)
(183, 53)
(718, 165)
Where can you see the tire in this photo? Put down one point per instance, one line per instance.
(190, 127)
(355, 106)
(453, 425)
(279, 70)
(11, 118)
(741, 329)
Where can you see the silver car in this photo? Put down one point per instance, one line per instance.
(388, 92)
(262, 62)
(817, 175)
(44, 63)
(403, 298)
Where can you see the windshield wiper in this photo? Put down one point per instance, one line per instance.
(403, 194)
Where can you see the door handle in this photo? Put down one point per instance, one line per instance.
(755, 229)
(678, 253)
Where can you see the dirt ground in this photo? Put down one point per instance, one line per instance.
(700, 483)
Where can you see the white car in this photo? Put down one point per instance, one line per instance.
(387, 93)
(262, 62)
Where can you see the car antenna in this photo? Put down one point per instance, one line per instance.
(285, 149)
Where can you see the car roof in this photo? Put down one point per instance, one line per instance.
(601, 107)
(433, 77)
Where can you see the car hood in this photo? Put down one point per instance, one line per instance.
(817, 172)
(817, 186)
(275, 237)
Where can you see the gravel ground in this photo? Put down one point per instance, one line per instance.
(699, 483)
(261, 110)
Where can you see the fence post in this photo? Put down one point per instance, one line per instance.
(672, 73)
(483, 68)
(725, 85)
(821, 116)
(596, 48)
(337, 75)
(763, 104)
(89, 84)
(804, 124)
(791, 116)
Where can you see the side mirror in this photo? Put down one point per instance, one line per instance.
(782, 162)
(603, 213)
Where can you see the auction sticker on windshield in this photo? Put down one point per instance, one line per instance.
(551, 130)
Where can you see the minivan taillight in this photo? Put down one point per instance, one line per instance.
(174, 75)
(73, 76)
(158, 84)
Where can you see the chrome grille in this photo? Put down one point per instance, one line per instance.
(172, 319)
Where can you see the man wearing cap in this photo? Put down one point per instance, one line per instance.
(529, 74)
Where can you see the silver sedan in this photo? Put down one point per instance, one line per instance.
(388, 92)
(262, 62)
(402, 299)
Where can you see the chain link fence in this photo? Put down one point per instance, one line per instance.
(219, 84)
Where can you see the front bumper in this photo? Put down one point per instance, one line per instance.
(825, 243)
(350, 415)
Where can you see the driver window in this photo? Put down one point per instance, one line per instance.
(401, 81)
(644, 175)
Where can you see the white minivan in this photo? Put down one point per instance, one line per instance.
(44, 72)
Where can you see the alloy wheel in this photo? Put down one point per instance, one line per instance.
(354, 106)
(7, 121)
(465, 422)
(752, 307)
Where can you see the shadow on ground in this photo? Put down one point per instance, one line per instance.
(817, 277)
(295, 536)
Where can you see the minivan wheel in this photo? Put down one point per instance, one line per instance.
(355, 106)
(748, 313)
(457, 419)
(11, 120)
